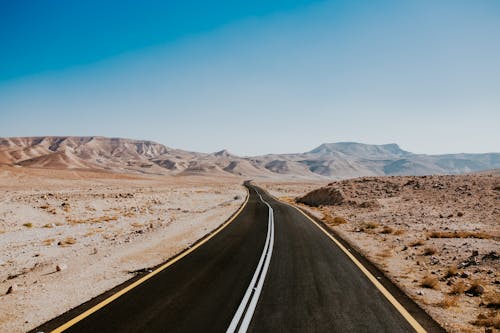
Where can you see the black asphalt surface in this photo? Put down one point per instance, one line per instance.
(311, 285)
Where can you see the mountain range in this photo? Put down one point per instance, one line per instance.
(327, 161)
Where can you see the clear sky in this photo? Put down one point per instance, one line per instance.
(255, 76)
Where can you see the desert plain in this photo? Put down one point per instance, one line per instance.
(68, 236)
(435, 237)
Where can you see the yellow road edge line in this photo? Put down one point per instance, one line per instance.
(181, 255)
(409, 318)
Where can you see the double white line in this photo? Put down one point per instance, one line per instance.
(249, 301)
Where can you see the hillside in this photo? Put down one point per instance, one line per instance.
(327, 161)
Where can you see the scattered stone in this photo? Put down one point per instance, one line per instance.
(12, 289)
(493, 256)
(61, 267)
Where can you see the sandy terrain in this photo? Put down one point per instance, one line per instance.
(437, 237)
(97, 228)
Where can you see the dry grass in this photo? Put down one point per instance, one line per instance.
(371, 225)
(448, 301)
(459, 234)
(492, 299)
(330, 220)
(488, 319)
(429, 281)
(458, 288)
(387, 230)
(428, 251)
(67, 241)
(99, 219)
(417, 242)
(385, 253)
(452, 271)
(48, 241)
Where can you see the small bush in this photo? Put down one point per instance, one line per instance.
(416, 243)
(429, 281)
(459, 234)
(428, 251)
(452, 271)
(488, 319)
(387, 230)
(492, 300)
(28, 225)
(458, 288)
(398, 232)
(447, 302)
(67, 241)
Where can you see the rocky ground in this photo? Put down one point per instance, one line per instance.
(67, 236)
(437, 237)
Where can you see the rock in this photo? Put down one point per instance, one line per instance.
(464, 275)
(322, 196)
(61, 267)
(491, 256)
(12, 289)
(475, 290)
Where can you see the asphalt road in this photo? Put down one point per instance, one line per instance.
(269, 270)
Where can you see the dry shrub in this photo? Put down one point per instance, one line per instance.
(104, 218)
(370, 225)
(459, 234)
(428, 251)
(28, 225)
(67, 241)
(458, 288)
(452, 271)
(488, 319)
(398, 232)
(492, 299)
(330, 220)
(48, 241)
(429, 281)
(417, 242)
(387, 230)
(447, 302)
(385, 253)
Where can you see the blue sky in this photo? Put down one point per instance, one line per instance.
(255, 77)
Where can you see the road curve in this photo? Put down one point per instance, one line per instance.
(274, 267)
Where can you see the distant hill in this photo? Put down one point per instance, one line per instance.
(327, 161)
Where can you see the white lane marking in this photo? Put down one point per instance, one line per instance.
(255, 286)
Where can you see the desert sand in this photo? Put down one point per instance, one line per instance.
(436, 237)
(68, 236)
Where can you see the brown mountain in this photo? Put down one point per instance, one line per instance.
(328, 161)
